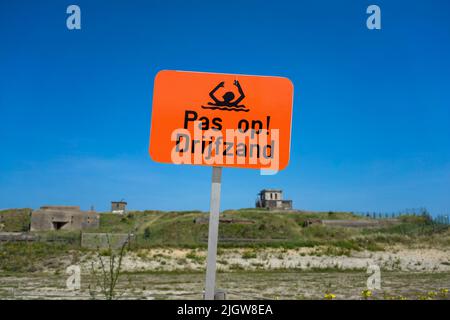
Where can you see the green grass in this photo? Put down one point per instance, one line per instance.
(195, 257)
(249, 255)
(61, 236)
(269, 229)
(30, 257)
(15, 220)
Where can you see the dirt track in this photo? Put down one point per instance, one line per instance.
(238, 285)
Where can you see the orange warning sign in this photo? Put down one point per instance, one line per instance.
(224, 120)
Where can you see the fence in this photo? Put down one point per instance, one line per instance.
(443, 219)
(104, 240)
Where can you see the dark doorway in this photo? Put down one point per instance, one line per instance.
(58, 224)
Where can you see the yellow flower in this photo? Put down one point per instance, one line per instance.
(431, 294)
(366, 294)
(329, 296)
(443, 293)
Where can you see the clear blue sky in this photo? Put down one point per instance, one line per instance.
(371, 112)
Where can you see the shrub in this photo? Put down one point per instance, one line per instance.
(147, 233)
(249, 255)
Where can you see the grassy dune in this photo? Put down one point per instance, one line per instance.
(258, 229)
(272, 229)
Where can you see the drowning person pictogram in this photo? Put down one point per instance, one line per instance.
(228, 103)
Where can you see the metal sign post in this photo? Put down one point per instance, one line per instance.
(267, 104)
(213, 234)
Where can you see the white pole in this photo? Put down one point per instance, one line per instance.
(214, 210)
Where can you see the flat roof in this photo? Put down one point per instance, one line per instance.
(57, 207)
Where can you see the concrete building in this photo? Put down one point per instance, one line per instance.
(118, 207)
(273, 199)
(63, 218)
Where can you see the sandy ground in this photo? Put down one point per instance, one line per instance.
(394, 259)
(306, 273)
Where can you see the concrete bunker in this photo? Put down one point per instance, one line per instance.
(63, 218)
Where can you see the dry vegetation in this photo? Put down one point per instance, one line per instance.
(267, 244)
